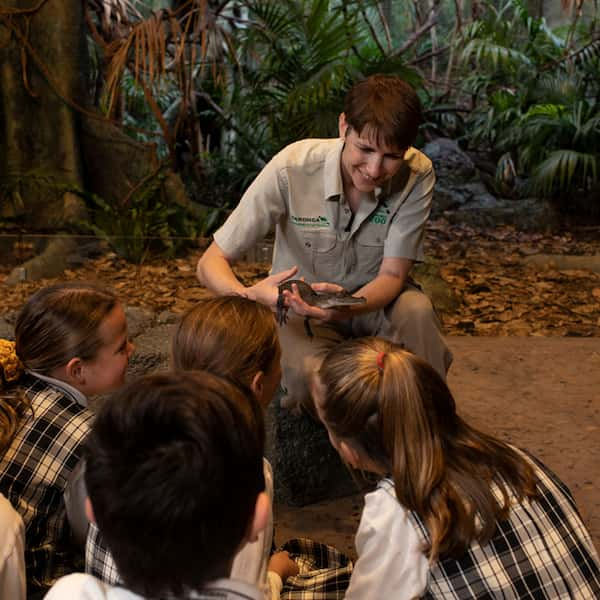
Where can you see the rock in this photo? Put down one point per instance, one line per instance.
(427, 275)
(306, 467)
(453, 166)
(138, 320)
(527, 214)
(152, 348)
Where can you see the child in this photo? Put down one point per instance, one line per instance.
(174, 474)
(235, 338)
(71, 343)
(457, 513)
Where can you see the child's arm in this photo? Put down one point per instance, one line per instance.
(390, 561)
(281, 566)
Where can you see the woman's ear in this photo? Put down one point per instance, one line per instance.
(342, 125)
(257, 384)
(262, 511)
(89, 510)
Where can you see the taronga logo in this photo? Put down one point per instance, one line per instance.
(319, 221)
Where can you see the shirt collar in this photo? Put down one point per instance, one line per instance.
(63, 386)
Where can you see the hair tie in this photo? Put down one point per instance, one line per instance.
(380, 358)
(11, 368)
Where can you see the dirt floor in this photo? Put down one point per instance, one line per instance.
(542, 394)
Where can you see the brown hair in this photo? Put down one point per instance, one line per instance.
(57, 323)
(403, 415)
(230, 336)
(386, 108)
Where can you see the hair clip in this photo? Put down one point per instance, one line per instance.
(380, 358)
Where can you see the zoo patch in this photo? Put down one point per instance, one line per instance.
(320, 221)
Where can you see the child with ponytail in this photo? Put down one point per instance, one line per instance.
(457, 513)
(70, 343)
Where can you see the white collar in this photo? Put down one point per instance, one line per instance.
(63, 386)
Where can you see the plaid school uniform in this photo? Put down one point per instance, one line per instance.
(34, 473)
(541, 552)
(98, 559)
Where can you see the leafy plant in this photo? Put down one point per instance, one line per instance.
(142, 223)
(535, 106)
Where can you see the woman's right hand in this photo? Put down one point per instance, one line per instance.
(266, 291)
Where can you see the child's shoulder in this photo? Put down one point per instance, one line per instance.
(87, 587)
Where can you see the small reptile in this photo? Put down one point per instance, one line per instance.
(319, 299)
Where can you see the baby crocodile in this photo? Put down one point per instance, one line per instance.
(319, 299)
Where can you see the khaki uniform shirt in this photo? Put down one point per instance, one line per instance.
(300, 192)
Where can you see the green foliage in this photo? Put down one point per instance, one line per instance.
(535, 103)
(143, 223)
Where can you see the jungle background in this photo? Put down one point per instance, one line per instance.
(131, 128)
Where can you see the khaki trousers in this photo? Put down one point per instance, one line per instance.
(410, 321)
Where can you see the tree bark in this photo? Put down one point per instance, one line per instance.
(43, 64)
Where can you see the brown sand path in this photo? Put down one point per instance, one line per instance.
(542, 394)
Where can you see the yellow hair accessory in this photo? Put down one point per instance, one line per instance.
(11, 368)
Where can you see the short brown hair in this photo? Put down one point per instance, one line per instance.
(386, 108)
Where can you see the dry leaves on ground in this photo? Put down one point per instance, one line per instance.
(498, 293)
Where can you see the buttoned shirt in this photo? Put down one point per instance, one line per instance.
(300, 194)
(35, 471)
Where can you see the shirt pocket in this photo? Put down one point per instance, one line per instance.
(326, 254)
(369, 251)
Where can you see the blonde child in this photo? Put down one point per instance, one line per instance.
(457, 513)
(236, 339)
(70, 343)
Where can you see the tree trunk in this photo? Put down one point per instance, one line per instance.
(39, 154)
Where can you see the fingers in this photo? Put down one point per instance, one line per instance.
(283, 275)
(324, 286)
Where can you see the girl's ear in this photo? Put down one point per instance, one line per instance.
(342, 125)
(257, 384)
(262, 510)
(89, 510)
(349, 454)
(74, 371)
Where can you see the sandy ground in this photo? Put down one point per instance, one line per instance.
(542, 394)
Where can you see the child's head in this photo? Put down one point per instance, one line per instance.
(233, 337)
(76, 332)
(384, 108)
(175, 477)
(386, 404)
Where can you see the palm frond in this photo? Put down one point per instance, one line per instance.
(564, 168)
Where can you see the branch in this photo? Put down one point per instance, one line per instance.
(414, 38)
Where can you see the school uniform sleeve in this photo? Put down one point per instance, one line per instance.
(390, 563)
